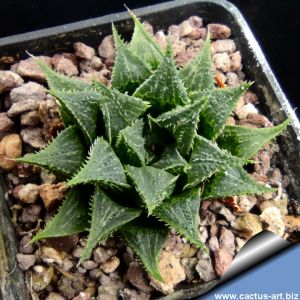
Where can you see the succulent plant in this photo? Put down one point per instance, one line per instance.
(139, 157)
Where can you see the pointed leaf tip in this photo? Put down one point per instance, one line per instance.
(129, 70)
(182, 123)
(102, 167)
(245, 142)
(181, 212)
(107, 217)
(220, 104)
(197, 75)
(147, 242)
(119, 110)
(143, 45)
(164, 88)
(206, 159)
(234, 181)
(64, 155)
(153, 185)
(72, 217)
(131, 144)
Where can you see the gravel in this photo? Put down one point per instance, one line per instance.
(31, 119)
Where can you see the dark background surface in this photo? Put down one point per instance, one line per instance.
(275, 23)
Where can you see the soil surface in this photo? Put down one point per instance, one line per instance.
(29, 118)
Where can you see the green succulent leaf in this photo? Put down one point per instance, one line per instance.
(234, 181)
(220, 103)
(181, 212)
(129, 71)
(153, 185)
(103, 167)
(147, 242)
(164, 89)
(131, 145)
(143, 45)
(72, 217)
(182, 123)
(172, 162)
(81, 105)
(119, 110)
(107, 217)
(56, 82)
(206, 159)
(245, 142)
(197, 75)
(64, 155)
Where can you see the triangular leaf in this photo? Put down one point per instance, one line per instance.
(220, 103)
(72, 217)
(181, 212)
(197, 74)
(164, 89)
(64, 155)
(234, 181)
(245, 142)
(182, 123)
(103, 167)
(119, 110)
(171, 161)
(107, 217)
(82, 106)
(148, 243)
(57, 81)
(143, 45)
(129, 71)
(131, 144)
(153, 185)
(206, 159)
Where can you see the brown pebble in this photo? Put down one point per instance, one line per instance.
(110, 265)
(52, 195)
(84, 51)
(25, 261)
(219, 31)
(107, 49)
(10, 148)
(29, 68)
(9, 80)
(64, 243)
(223, 259)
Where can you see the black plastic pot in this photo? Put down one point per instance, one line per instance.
(59, 39)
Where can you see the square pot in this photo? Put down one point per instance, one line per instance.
(60, 39)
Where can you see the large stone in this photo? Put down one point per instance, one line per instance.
(64, 65)
(171, 271)
(29, 193)
(9, 80)
(138, 277)
(272, 217)
(5, 123)
(205, 270)
(250, 224)
(227, 240)
(52, 194)
(10, 148)
(25, 261)
(107, 49)
(223, 259)
(84, 51)
(29, 68)
(218, 31)
(21, 107)
(33, 137)
(28, 91)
